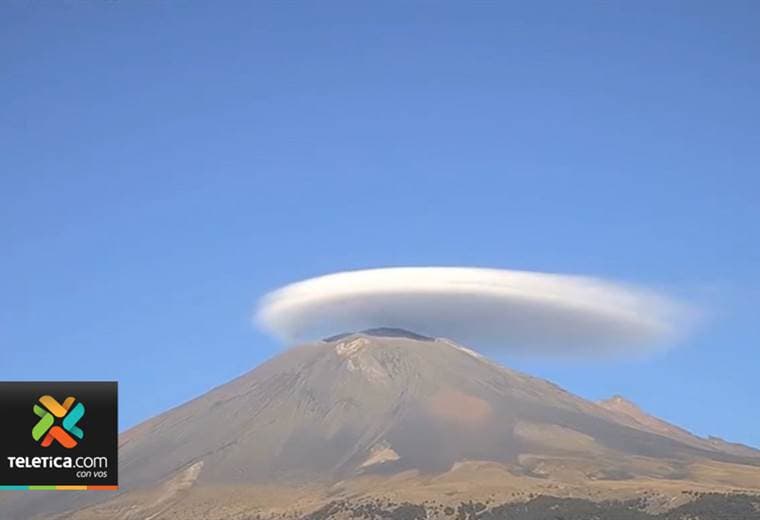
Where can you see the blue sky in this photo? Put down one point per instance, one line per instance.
(163, 165)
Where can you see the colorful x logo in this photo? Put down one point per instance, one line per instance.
(47, 430)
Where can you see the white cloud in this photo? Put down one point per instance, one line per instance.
(488, 309)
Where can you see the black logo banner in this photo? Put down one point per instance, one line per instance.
(58, 435)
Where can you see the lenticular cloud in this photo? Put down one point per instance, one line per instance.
(489, 309)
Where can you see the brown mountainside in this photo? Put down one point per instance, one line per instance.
(389, 414)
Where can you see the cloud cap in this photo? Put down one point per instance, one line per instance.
(490, 309)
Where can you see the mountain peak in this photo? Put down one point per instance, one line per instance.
(392, 332)
(382, 332)
(619, 402)
(627, 409)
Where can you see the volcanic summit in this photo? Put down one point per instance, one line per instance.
(387, 416)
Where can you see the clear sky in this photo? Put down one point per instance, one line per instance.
(164, 164)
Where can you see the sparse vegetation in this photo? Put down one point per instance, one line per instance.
(706, 506)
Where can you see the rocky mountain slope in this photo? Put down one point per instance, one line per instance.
(391, 417)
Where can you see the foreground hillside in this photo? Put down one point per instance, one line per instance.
(705, 507)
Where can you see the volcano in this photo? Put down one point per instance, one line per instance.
(386, 418)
